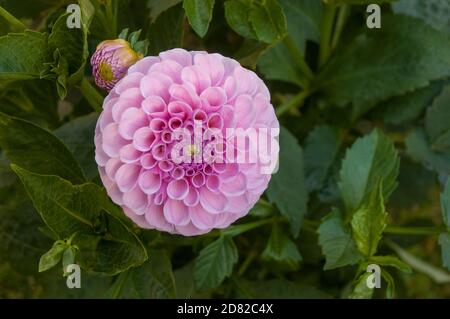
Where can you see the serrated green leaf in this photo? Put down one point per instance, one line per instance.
(215, 263)
(418, 148)
(237, 13)
(78, 136)
(268, 21)
(369, 222)
(52, 257)
(397, 69)
(434, 12)
(199, 14)
(157, 7)
(33, 100)
(281, 249)
(437, 122)
(262, 209)
(321, 150)
(337, 243)
(408, 107)
(287, 188)
(106, 245)
(152, 280)
(370, 159)
(118, 250)
(37, 150)
(65, 208)
(281, 61)
(258, 20)
(17, 63)
(167, 30)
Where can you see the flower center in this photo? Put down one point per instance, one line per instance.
(192, 150)
(106, 72)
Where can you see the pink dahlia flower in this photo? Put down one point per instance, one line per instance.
(157, 107)
(110, 62)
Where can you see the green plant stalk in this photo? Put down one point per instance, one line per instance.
(16, 23)
(299, 59)
(239, 229)
(326, 29)
(341, 19)
(401, 230)
(296, 101)
(94, 98)
(111, 14)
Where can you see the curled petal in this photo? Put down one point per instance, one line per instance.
(213, 202)
(176, 212)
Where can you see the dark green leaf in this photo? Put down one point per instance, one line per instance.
(397, 69)
(199, 14)
(321, 150)
(408, 107)
(434, 12)
(215, 263)
(282, 249)
(418, 148)
(237, 13)
(337, 243)
(437, 122)
(287, 187)
(152, 280)
(65, 208)
(268, 21)
(167, 31)
(37, 150)
(78, 136)
(259, 20)
(369, 160)
(17, 63)
(281, 61)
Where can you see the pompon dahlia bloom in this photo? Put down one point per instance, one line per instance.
(110, 62)
(152, 167)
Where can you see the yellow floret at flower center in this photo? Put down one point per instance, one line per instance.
(106, 72)
(192, 150)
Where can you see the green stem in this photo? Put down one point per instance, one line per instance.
(247, 262)
(326, 31)
(94, 98)
(118, 285)
(16, 23)
(299, 59)
(111, 16)
(297, 100)
(341, 19)
(400, 230)
(239, 229)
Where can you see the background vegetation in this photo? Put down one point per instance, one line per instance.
(365, 152)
